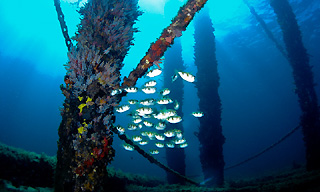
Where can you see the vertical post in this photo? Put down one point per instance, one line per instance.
(303, 77)
(173, 61)
(210, 130)
(93, 75)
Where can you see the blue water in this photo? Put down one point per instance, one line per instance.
(259, 105)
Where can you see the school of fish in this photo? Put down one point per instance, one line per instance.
(150, 116)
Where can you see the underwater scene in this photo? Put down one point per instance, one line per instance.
(160, 95)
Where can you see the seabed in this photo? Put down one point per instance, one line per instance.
(23, 171)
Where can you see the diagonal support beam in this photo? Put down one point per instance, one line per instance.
(157, 49)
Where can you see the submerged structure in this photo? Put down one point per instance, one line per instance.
(173, 61)
(92, 87)
(93, 72)
(210, 130)
(303, 77)
(92, 90)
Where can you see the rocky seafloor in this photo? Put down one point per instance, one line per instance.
(24, 171)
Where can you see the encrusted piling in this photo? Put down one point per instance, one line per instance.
(93, 73)
(176, 156)
(303, 78)
(210, 131)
